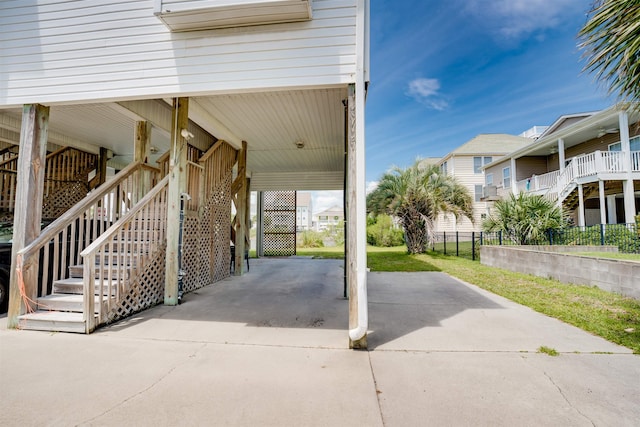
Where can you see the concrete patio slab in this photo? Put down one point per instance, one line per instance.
(270, 348)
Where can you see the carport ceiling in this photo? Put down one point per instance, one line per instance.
(274, 124)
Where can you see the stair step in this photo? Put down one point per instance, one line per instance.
(77, 271)
(65, 302)
(52, 321)
(74, 285)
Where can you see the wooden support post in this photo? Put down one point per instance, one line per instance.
(102, 166)
(143, 142)
(141, 154)
(356, 260)
(28, 206)
(177, 183)
(247, 215)
(241, 208)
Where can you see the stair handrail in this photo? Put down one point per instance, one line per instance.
(94, 196)
(107, 238)
(562, 182)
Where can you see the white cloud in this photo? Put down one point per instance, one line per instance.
(515, 19)
(427, 92)
(371, 185)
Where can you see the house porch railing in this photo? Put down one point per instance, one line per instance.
(586, 165)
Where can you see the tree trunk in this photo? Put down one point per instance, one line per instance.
(415, 234)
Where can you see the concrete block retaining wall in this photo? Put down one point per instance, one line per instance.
(611, 275)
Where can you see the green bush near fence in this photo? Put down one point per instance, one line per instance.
(383, 233)
(310, 239)
(624, 237)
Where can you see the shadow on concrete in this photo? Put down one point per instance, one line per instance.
(308, 293)
(401, 303)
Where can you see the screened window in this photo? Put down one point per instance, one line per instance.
(488, 179)
(506, 177)
(633, 142)
(478, 192)
(478, 162)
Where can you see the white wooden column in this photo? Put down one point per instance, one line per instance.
(581, 221)
(603, 209)
(177, 185)
(561, 159)
(627, 185)
(28, 205)
(612, 213)
(514, 182)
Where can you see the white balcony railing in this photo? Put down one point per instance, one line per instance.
(582, 166)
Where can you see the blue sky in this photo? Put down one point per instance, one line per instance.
(443, 71)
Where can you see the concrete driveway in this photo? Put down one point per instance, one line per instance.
(270, 349)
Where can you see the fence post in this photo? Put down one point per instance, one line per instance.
(473, 245)
(444, 239)
(500, 237)
(481, 242)
(601, 234)
(457, 244)
(550, 233)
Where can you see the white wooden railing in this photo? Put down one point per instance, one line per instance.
(579, 167)
(113, 261)
(59, 245)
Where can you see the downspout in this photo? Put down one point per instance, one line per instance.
(362, 46)
(357, 333)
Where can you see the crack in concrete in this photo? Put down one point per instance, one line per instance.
(377, 391)
(566, 399)
(145, 390)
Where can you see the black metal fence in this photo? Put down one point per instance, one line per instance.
(467, 244)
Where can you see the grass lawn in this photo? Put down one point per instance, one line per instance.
(611, 316)
(611, 255)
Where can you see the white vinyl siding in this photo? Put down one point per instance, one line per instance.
(60, 51)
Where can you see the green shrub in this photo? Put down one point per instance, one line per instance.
(384, 233)
(310, 239)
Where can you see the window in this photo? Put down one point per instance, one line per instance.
(478, 192)
(443, 168)
(335, 218)
(633, 142)
(478, 162)
(506, 177)
(323, 218)
(488, 179)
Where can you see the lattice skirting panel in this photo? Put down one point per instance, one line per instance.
(206, 249)
(279, 232)
(145, 290)
(66, 195)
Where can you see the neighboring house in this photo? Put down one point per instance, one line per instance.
(304, 211)
(226, 97)
(465, 163)
(589, 163)
(332, 217)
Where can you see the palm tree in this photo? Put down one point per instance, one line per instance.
(611, 40)
(525, 219)
(416, 196)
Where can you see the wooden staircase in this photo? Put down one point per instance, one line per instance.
(63, 309)
(85, 263)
